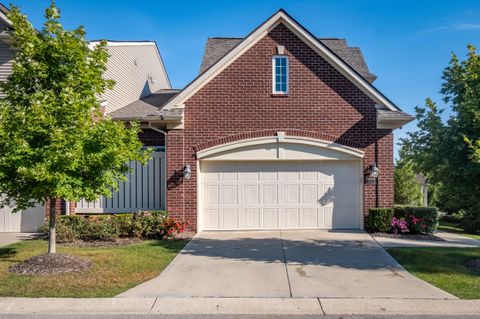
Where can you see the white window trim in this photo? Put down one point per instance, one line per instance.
(274, 89)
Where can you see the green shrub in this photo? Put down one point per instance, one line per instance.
(147, 224)
(100, 227)
(420, 220)
(380, 220)
(128, 225)
(68, 228)
(151, 223)
(471, 223)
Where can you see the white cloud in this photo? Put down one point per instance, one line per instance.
(454, 27)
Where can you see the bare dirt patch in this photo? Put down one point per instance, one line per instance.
(473, 265)
(409, 236)
(50, 264)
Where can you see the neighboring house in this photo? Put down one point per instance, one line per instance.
(138, 70)
(280, 130)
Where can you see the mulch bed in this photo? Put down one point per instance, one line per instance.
(474, 265)
(103, 243)
(50, 264)
(409, 236)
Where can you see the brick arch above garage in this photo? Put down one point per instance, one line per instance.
(273, 133)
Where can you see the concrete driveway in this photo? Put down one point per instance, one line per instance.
(11, 238)
(296, 264)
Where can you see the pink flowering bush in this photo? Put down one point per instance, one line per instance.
(420, 220)
(399, 225)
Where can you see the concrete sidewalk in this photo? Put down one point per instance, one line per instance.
(450, 240)
(239, 306)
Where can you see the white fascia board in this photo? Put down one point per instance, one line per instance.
(253, 38)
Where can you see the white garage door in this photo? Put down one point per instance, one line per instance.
(26, 221)
(280, 195)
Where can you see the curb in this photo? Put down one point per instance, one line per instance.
(239, 306)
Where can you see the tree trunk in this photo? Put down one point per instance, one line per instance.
(52, 238)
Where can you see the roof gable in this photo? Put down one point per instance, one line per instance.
(320, 48)
(216, 48)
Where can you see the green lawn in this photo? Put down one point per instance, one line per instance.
(454, 228)
(114, 269)
(442, 267)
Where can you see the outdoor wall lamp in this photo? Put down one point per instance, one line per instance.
(373, 170)
(187, 171)
(371, 174)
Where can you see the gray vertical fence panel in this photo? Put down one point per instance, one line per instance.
(145, 189)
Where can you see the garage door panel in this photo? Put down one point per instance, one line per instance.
(272, 195)
(311, 172)
(291, 217)
(269, 174)
(308, 217)
(230, 194)
(212, 194)
(291, 176)
(211, 218)
(310, 194)
(251, 176)
(230, 176)
(327, 197)
(291, 193)
(252, 217)
(327, 214)
(230, 218)
(270, 217)
(251, 194)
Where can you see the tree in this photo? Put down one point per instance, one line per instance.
(407, 188)
(54, 141)
(449, 152)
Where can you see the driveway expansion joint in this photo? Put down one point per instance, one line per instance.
(321, 307)
(286, 265)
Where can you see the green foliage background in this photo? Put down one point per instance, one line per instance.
(54, 140)
(448, 151)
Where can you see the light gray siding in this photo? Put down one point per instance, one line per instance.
(137, 70)
(6, 56)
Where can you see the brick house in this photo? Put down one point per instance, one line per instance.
(279, 130)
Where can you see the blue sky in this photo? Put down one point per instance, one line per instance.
(407, 44)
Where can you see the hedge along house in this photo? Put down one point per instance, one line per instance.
(280, 130)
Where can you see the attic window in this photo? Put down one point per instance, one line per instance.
(280, 74)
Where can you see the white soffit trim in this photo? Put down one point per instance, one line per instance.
(280, 139)
(257, 35)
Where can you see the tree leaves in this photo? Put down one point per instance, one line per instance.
(54, 140)
(448, 153)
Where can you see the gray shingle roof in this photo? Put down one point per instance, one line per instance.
(149, 106)
(216, 48)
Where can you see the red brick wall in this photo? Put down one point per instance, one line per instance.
(240, 100)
